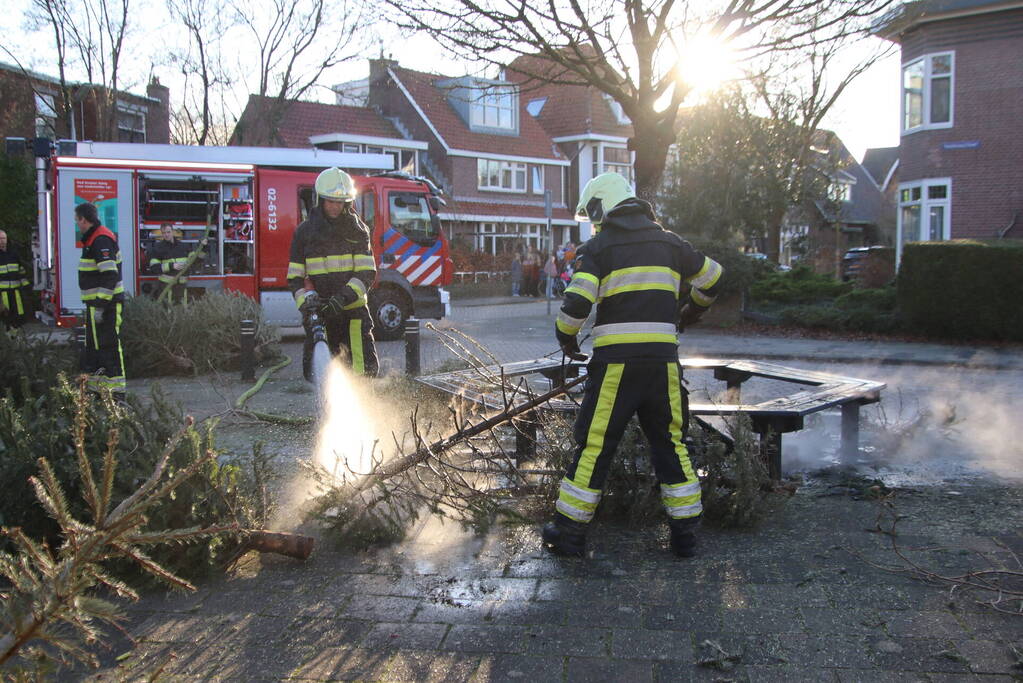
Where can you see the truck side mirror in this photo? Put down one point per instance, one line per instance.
(435, 202)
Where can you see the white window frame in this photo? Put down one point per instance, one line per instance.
(841, 191)
(601, 165)
(514, 171)
(494, 107)
(135, 111)
(536, 176)
(925, 204)
(46, 115)
(927, 61)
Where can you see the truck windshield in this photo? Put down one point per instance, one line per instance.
(410, 215)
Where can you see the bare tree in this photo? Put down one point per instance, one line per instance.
(628, 49)
(798, 91)
(297, 41)
(202, 117)
(89, 34)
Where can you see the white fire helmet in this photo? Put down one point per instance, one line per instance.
(335, 184)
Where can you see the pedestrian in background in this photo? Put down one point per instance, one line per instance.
(516, 273)
(531, 272)
(13, 285)
(550, 273)
(99, 278)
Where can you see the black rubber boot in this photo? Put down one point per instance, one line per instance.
(565, 536)
(683, 538)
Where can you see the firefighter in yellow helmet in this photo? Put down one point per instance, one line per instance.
(647, 285)
(330, 271)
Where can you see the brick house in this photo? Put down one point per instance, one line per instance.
(590, 128)
(492, 157)
(959, 172)
(33, 106)
(848, 211)
(344, 128)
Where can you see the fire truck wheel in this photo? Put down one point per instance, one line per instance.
(390, 309)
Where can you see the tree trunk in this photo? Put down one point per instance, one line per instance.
(773, 246)
(651, 149)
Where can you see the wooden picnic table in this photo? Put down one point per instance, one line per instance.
(770, 419)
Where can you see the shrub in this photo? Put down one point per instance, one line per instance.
(799, 285)
(963, 289)
(163, 339)
(882, 299)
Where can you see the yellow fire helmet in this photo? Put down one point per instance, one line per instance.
(335, 184)
(600, 195)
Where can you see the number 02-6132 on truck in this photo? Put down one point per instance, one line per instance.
(246, 202)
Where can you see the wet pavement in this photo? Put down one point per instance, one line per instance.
(810, 595)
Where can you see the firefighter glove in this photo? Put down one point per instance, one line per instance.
(310, 304)
(689, 315)
(349, 296)
(570, 347)
(334, 306)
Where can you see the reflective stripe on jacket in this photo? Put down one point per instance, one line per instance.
(638, 275)
(333, 256)
(99, 269)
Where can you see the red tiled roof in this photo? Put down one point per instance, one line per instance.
(467, 210)
(532, 140)
(301, 120)
(570, 109)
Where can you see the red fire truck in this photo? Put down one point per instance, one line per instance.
(246, 203)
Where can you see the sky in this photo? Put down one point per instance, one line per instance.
(865, 116)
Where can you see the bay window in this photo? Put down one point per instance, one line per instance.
(927, 92)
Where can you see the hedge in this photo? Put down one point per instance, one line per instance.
(963, 289)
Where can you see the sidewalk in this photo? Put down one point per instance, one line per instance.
(801, 598)
(699, 340)
(796, 600)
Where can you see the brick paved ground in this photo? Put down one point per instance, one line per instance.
(794, 600)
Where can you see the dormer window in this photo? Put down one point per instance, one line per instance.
(494, 106)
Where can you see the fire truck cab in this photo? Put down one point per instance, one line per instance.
(240, 206)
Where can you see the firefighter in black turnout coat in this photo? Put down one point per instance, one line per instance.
(13, 284)
(330, 271)
(167, 258)
(647, 284)
(99, 279)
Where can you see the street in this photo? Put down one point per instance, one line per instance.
(950, 421)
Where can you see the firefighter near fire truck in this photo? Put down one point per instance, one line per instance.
(168, 260)
(647, 284)
(13, 285)
(99, 279)
(330, 270)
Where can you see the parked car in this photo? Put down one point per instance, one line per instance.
(855, 260)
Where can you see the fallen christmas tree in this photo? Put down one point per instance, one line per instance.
(479, 472)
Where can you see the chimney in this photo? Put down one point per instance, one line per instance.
(158, 116)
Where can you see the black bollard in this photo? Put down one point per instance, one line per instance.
(80, 340)
(412, 364)
(248, 350)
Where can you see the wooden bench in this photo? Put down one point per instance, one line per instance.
(770, 418)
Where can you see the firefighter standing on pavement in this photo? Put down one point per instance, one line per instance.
(13, 281)
(331, 269)
(647, 284)
(167, 258)
(99, 278)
